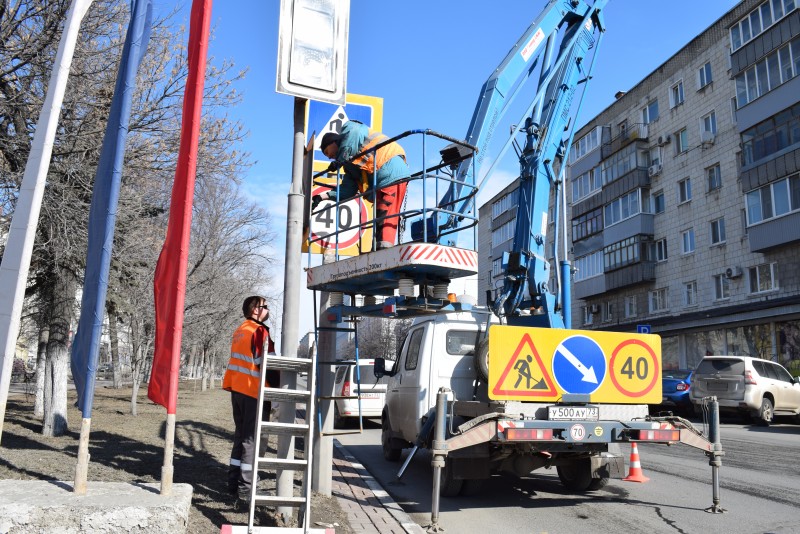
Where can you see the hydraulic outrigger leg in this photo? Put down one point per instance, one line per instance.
(715, 456)
(439, 449)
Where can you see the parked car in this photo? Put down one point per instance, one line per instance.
(752, 386)
(675, 386)
(373, 392)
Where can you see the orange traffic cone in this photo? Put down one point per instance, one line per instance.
(635, 472)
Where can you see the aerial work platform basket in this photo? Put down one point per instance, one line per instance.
(413, 276)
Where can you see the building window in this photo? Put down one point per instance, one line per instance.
(622, 208)
(589, 266)
(722, 287)
(650, 112)
(714, 176)
(588, 317)
(772, 135)
(775, 69)
(773, 200)
(718, 231)
(658, 250)
(682, 141)
(623, 162)
(588, 224)
(630, 307)
(704, 75)
(504, 233)
(690, 293)
(586, 184)
(658, 202)
(608, 311)
(676, 94)
(585, 144)
(708, 124)
(684, 190)
(655, 155)
(622, 253)
(505, 204)
(658, 300)
(497, 267)
(758, 20)
(763, 277)
(687, 241)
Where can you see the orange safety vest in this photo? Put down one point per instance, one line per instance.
(367, 162)
(244, 369)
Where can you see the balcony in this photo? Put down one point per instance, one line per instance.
(638, 273)
(634, 132)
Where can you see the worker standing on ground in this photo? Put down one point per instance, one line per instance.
(381, 170)
(243, 378)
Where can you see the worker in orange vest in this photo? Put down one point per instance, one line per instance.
(381, 169)
(243, 378)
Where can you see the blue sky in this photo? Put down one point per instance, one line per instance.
(428, 61)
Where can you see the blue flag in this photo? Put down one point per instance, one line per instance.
(103, 211)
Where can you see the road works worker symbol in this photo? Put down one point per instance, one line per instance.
(525, 374)
(579, 365)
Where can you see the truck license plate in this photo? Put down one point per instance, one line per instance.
(573, 413)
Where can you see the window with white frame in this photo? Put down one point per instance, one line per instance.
(684, 190)
(505, 203)
(586, 184)
(718, 231)
(659, 204)
(650, 112)
(588, 317)
(714, 176)
(676, 94)
(658, 300)
(658, 250)
(758, 20)
(622, 208)
(690, 293)
(630, 306)
(608, 311)
(763, 277)
(588, 266)
(708, 123)
(497, 267)
(687, 241)
(773, 200)
(773, 135)
(655, 155)
(775, 69)
(681, 141)
(704, 75)
(504, 233)
(722, 287)
(585, 144)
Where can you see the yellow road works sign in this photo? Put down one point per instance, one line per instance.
(542, 364)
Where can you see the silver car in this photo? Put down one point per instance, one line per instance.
(753, 386)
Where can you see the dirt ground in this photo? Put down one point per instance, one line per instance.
(124, 448)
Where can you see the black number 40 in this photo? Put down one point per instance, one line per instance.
(640, 371)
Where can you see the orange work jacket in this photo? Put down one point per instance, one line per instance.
(368, 162)
(244, 368)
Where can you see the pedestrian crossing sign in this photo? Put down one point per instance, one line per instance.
(322, 117)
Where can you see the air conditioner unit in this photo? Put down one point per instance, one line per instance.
(664, 140)
(707, 137)
(654, 170)
(594, 308)
(733, 272)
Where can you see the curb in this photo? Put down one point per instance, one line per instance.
(404, 520)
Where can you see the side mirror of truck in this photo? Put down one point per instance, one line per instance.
(379, 368)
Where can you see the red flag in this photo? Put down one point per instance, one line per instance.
(170, 277)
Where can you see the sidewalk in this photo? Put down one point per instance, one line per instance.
(368, 507)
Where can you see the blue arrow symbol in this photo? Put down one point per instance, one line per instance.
(588, 374)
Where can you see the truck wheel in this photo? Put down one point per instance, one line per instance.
(598, 483)
(391, 452)
(765, 413)
(449, 486)
(472, 486)
(577, 475)
(482, 359)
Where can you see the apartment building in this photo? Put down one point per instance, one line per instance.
(684, 197)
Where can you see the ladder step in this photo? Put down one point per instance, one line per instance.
(288, 395)
(288, 364)
(281, 463)
(294, 429)
(274, 500)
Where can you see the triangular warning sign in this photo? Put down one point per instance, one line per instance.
(527, 366)
(333, 124)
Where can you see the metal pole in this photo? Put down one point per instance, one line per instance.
(439, 456)
(715, 456)
(291, 298)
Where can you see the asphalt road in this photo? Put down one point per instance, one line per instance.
(759, 478)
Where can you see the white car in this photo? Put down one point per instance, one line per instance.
(372, 397)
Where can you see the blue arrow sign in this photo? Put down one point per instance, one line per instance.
(324, 117)
(579, 365)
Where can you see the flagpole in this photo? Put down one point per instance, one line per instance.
(19, 246)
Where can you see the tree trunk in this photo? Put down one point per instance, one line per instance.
(55, 412)
(136, 366)
(203, 369)
(114, 337)
(41, 359)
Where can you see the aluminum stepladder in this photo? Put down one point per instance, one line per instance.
(304, 430)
